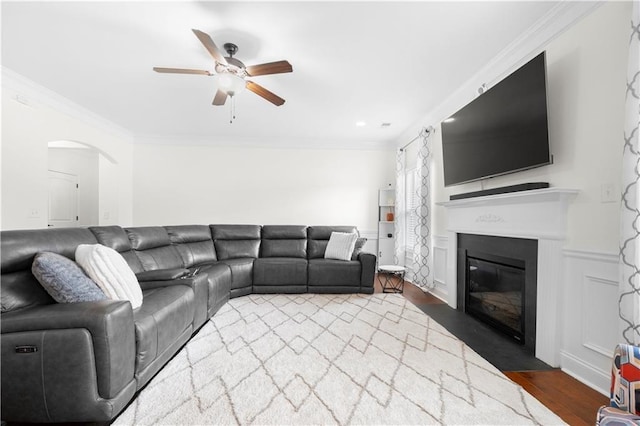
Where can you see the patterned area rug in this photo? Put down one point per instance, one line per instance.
(330, 359)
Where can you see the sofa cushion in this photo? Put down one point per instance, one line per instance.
(235, 232)
(116, 238)
(236, 241)
(112, 236)
(331, 272)
(165, 314)
(340, 246)
(318, 237)
(193, 242)
(153, 247)
(64, 280)
(241, 272)
(284, 241)
(279, 271)
(111, 273)
(284, 232)
(219, 281)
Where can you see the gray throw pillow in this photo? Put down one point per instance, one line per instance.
(360, 242)
(64, 279)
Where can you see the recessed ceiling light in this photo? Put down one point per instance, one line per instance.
(361, 123)
(449, 120)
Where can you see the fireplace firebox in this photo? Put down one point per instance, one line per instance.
(497, 284)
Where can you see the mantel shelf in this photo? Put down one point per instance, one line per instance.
(522, 197)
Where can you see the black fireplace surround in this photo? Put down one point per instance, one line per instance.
(497, 284)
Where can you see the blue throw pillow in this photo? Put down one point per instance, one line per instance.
(360, 242)
(64, 279)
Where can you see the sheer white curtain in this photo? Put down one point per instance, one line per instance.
(400, 210)
(413, 213)
(629, 302)
(419, 271)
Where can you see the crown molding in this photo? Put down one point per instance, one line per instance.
(32, 94)
(526, 46)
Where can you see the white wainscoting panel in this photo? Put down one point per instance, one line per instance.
(440, 266)
(590, 316)
(371, 246)
(587, 301)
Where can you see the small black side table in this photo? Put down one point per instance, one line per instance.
(389, 285)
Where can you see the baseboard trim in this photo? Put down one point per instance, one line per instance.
(585, 373)
(438, 291)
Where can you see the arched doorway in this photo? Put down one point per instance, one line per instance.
(74, 175)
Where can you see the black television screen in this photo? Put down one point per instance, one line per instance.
(504, 130)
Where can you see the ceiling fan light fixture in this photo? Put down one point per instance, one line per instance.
(230, 83)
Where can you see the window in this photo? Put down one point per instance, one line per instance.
(411, 218)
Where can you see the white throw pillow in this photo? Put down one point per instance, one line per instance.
(340, 245)
(111, 272)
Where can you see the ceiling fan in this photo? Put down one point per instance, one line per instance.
(231, 74)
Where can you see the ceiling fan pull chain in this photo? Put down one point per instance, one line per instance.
(233, 106)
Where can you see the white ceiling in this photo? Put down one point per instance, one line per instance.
(371, 61)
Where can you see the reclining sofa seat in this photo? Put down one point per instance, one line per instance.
(282, 265)
(195, 247)
(77, 360)
(165, 321)
(337, 276)
(238, 246)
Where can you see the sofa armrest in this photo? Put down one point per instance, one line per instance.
(368, 270)
(162, 274)
(109, 322)
(199, 283)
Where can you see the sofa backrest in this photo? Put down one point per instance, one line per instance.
(236, 241)
(20, 289)
(284, 241)
(193, 242)
(318, 237)
(116, 238)
(153, 247)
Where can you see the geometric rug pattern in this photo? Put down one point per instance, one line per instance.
(329, 359)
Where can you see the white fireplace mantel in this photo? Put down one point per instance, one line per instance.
(538, 214)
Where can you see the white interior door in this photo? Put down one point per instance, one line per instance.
(63, 200)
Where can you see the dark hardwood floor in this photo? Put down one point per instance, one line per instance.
(573, 401)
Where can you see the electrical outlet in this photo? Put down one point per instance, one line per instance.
(608, 193)
(106, 215)
(33, 213)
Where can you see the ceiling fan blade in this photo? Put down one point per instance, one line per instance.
(269, 68)
(261, 91)
(220, 98)
(210, 46)
(181, 71)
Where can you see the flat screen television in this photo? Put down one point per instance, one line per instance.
(504, 130)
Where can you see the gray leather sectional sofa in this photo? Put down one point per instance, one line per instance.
(84, 362)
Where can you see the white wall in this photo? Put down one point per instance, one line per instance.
(179, 184)
(26, 129)
(586, 75)
(84, 164)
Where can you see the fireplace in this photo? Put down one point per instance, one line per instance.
(537, 215)
(497, 284)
